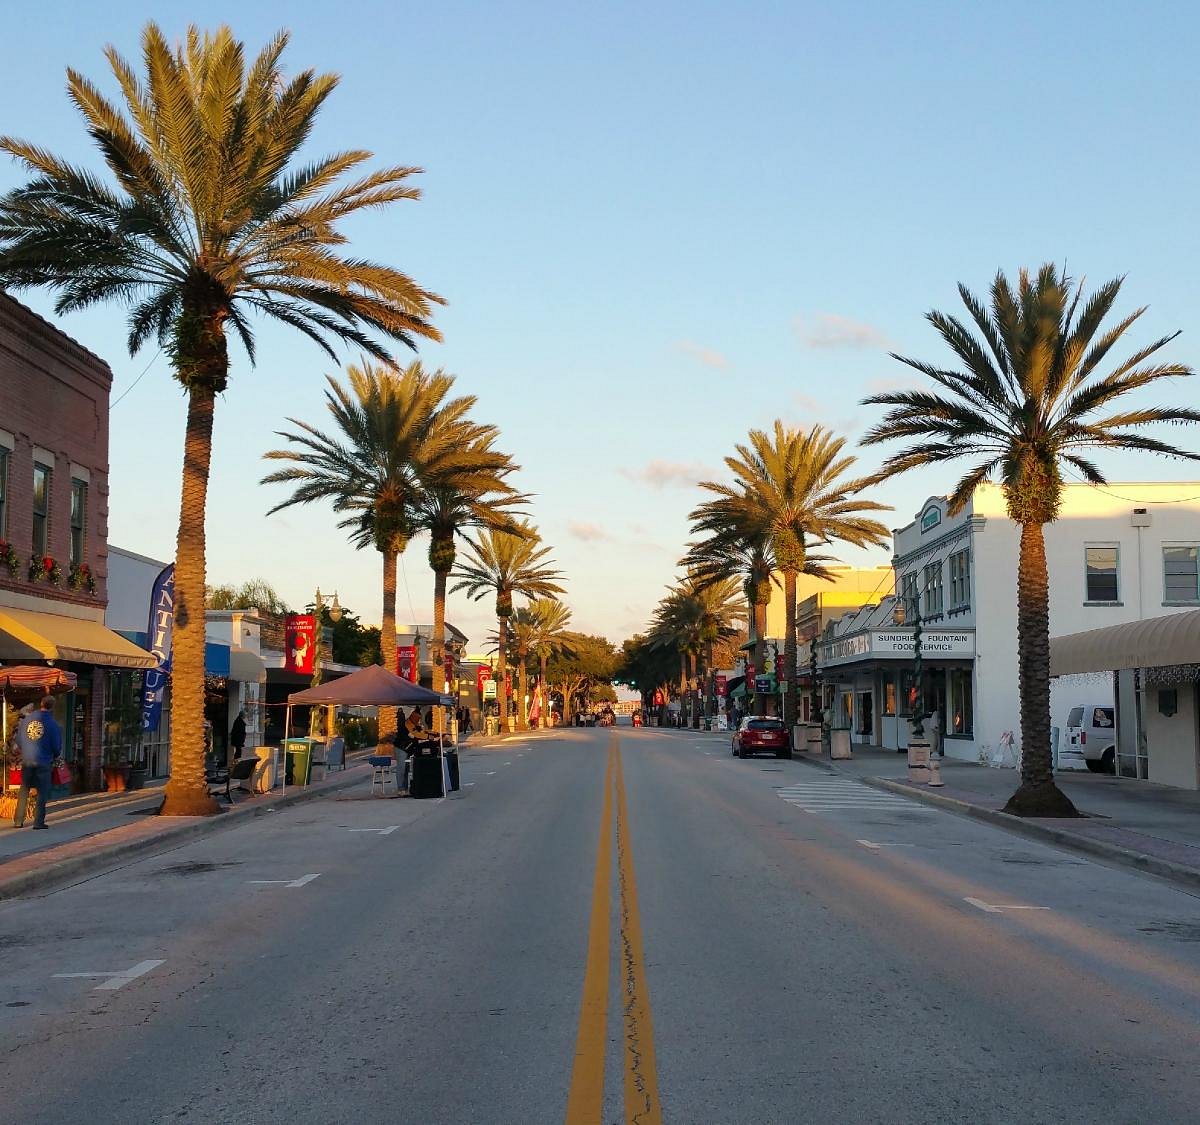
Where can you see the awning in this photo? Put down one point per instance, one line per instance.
(26, 634)
(246, 667)
(1158, 642)
(373, 686)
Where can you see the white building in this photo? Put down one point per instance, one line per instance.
(1116, 554)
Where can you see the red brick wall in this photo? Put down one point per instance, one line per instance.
(53, 395)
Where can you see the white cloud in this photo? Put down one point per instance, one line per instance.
(831, 330)
(661, 474)
(707, 356)
(588, 532)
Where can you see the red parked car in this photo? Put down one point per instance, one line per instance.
(760, 735)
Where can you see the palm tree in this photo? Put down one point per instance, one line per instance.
(676, 627)
(395, 435)
(552, 620)
(524, 632)
(1027, 399)
(507, 565)
(201, 226)
(720, 605)
(480, 499)
(793, 485)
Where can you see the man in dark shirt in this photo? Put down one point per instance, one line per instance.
(40, 739)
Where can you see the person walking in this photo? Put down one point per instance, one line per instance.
(237, 735)
(40, 740)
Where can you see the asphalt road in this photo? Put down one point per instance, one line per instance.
(606, 929)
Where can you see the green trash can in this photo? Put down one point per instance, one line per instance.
(299, 760)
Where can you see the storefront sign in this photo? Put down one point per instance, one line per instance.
(300, 643)
(892, 644)
(857, 645)
(158, 631)
(764, 685)
(406, 663)
(489, 689)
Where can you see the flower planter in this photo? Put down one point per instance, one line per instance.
(116, 778)
(137, 777)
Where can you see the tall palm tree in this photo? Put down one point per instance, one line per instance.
(553, 619)
(524, 633)
(677, 626)
(507, 565)
(793, 484)
(395, 435)
(480, 499)
(200, 225)
(1028, 397)
(721, 605)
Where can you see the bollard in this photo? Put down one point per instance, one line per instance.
(935, 771)
(918, 761)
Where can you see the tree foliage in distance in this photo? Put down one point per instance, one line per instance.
(254, 593)
(582, 659)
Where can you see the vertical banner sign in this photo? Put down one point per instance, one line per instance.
(300, 643)
(721, 686)
(158, 639)
(406, 662)
(482, 674)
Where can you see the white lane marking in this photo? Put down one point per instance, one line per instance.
(304, 880)
(996, 908)
(115, 980)
(491, 773)
(506, 763)
(382, 831)
(875, 847)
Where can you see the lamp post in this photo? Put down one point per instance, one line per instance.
(918, 747)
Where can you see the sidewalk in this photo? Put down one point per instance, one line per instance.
(1136, 824)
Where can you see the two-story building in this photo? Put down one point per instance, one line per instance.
(1124, 552)
(53, 531)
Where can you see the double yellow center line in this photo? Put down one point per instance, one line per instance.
(586, 1099)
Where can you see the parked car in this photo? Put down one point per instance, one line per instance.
(758, 735)
(1092, 736)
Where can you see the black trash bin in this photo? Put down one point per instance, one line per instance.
(426, 778)
(452, 769)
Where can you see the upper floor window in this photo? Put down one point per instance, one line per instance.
(933, 588)
(79, 490)
(1181, 574)
(41, 509)
(1102, 563)
(3, 493)
(908, 596)
(960, 579)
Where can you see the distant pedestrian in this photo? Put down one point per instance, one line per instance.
(40, 740)
(237, 735)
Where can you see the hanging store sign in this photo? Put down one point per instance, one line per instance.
(406, 662)
(897, 644)
(300, 643)
(159, 630)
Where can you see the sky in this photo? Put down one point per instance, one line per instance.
(658, 226)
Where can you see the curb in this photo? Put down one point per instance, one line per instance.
(115, 855)
(1124, 857)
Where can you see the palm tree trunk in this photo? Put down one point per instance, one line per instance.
(544, 717)
(186, 792)
(438, 642)
(683, 692)
(787, 674)
(387, 636)
(522, 690)
(502, 671)
(710, 684)
(1037, 795)
(760, 652)
(694, 692)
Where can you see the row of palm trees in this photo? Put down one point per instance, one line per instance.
(208, 217)
(1032, 394)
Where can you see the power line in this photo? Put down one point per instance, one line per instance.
(136, 381)
(1128, 499)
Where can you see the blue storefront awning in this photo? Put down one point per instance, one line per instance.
(216, 656)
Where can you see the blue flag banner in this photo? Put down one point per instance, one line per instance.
(158, 640)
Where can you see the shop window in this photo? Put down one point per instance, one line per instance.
(960, 579)
(122, 717)
(961, 719)
(3, 493)
(41, 510)
(889, 696)
(79, 491)
(1102, 585)
(1181, 573)
(933, 588)
(908, 693)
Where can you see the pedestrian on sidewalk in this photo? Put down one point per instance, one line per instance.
(40, 740)
(237, 735)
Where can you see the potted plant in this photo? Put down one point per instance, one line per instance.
(139, 769)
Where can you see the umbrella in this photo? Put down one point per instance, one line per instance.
(28, 680)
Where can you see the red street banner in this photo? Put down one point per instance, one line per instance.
(658, 698)
(300, 643)
(451, 677)
(721, 689)
(508, 683)
(406, 662)
(482, 674)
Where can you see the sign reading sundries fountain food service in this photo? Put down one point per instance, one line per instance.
(158, 640)
(898, 643)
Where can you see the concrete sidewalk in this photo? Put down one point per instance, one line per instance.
(1136, 824)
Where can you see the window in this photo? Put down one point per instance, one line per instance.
(78, 519)
(889, 696)
(1181, 573)
(3, 492)
(961, 709)
(41, 510)
(960, 579)
(1101, 574)
(908, 693)
(933, 588)
(908, 596)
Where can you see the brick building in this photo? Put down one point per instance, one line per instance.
(54, 526)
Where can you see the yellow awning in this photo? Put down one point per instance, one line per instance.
(28, 635)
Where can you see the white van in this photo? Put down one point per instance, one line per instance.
(1092, 737)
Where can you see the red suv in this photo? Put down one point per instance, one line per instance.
(758, 735)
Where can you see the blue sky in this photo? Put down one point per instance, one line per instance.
(657, 226)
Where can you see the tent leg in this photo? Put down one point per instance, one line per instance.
(287, 729)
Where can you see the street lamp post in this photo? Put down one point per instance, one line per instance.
(919, 756)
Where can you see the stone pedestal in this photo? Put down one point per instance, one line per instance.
(918, 761)
(839, 745)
